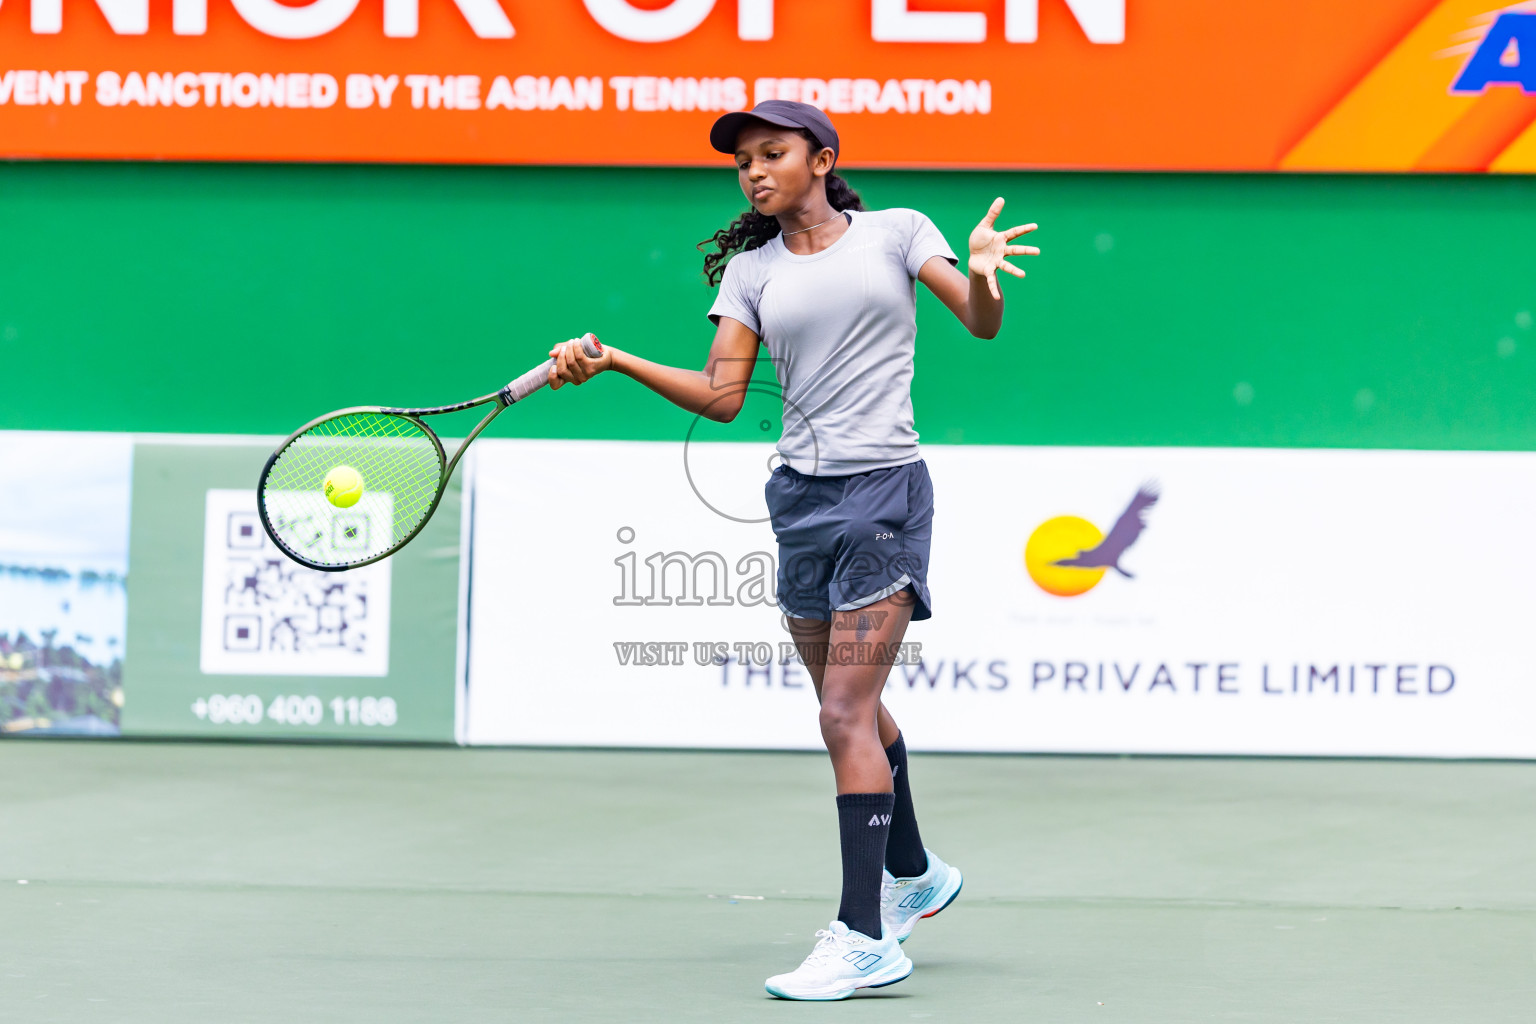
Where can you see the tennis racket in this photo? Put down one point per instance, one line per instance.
(402, 465)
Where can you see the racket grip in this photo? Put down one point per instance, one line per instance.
(537, 377)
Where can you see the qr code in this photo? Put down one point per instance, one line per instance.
(264, 614)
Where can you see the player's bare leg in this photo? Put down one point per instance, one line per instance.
(812, 637)
(848, 660)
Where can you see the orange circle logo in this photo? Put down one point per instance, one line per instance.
(1055, 540)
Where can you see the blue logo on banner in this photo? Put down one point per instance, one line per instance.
(1506, 56)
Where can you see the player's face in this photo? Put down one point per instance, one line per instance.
(776, 169)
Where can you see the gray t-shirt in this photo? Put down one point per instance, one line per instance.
(841, 328)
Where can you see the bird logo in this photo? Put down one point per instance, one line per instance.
(1068, 556)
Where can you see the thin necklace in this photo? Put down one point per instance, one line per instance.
(813, 227)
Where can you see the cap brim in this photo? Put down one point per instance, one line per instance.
(728, 126)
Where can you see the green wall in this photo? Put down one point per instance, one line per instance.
(1348, 311)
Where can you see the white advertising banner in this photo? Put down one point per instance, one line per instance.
(1156, 600)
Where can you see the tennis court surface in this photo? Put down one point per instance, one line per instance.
(232, 883)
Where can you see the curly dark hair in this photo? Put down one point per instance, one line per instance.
(753, 229)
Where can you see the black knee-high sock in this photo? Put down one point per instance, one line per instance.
(863, 821)
(904, 856)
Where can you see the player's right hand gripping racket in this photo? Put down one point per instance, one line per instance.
(404, 473)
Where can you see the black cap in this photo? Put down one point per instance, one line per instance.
(784, 113)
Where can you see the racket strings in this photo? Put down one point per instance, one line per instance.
(401, 469)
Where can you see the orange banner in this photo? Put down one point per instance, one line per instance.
(1395, 85)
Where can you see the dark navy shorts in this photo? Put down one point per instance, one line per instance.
(848, 541)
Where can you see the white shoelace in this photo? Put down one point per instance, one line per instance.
(825, 949)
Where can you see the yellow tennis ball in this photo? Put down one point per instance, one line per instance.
(343, 486)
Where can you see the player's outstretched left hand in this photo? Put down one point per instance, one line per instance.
(989, 247)
(573, 365)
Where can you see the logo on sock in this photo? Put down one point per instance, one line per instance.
(880, 819)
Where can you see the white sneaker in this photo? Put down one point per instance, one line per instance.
(905, 901)
(842, 962)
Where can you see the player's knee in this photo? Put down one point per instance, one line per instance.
(841, 723)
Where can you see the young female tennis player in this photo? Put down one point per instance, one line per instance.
(828, 287)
